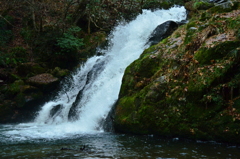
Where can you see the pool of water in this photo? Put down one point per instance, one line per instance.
(109, 145)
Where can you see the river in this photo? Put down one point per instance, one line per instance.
(106, 145)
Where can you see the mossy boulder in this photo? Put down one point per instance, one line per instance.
(21, 93)
(17, 99)
(188, 84)
(208, 55)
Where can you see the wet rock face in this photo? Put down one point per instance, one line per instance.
(162, 31)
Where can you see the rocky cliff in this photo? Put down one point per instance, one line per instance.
(188, 84)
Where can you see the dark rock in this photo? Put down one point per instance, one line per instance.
(6, 110)
(26, 99)
(97, 69)
(107, 124)
(3, 74)
(217, 1)
(81, 148)
(182, 22)
(14, 88)
(162, 31)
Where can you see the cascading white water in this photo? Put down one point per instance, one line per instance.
(99, 79)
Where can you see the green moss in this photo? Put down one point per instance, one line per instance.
(191, 32)
(14, 88)
(57, 72)
(191, 24)
(233, 23)
(186, 92)
(205, 55)
(148, 51)
(201, 5)
(164, 41)
(146, 67)
(205, 16)
(225, 7)
(165, 5)
(128, 82)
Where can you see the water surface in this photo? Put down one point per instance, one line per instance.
(108, 145)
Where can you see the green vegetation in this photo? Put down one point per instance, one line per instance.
(69, 43)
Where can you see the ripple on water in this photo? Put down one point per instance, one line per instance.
(107, 145)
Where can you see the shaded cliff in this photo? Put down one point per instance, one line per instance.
(188, 84)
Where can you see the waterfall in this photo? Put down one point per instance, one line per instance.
(97, 83)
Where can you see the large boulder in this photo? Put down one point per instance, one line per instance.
(188, 84)
(162, 31)
(44, 81)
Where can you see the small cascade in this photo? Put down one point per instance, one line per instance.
(95, 86)
(88, 96)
